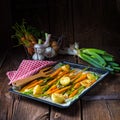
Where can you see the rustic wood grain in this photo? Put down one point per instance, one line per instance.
(71, 113)
(87, 22)
(60, 19)
(101, 110)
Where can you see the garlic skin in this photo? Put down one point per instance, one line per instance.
(38, 57)
(49, 52)
(39, 50)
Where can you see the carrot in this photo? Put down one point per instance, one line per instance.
(52, 88)
(63, 89)
(55, 72)
(28, 85)
(70, 74)
(52, 81)
(55, 79)
(77, 85)
(52, 91)
(82, 77)
(23, 38)
(32, 85)
(73, 93)
(76, 76)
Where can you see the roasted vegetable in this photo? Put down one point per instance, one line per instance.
(65, 81)
(61, 84)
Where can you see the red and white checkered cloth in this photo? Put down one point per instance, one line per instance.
(27, 68)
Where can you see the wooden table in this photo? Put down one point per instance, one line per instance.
(100, 103)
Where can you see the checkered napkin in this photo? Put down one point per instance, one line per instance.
(27, 68)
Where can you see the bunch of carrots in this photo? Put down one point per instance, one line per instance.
(63, 81)
(26, 35)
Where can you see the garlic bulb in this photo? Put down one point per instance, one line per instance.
(49, 52)
(39, 50)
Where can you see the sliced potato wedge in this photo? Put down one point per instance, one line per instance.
(65, 80)
(57, 98)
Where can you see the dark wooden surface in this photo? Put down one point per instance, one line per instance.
(91, 23)
(100, 103)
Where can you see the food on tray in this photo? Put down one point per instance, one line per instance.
(63, 84)
(57, 98)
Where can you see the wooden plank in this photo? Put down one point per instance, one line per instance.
(30, 110)
(60, 20)
(35, 13)
(101, 110)
(87, 22)
(71, 113)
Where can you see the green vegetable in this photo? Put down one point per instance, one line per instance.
(99, 58)
(95, 50)
(89, 59)
(96, 55)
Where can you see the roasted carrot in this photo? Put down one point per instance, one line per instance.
(77, 85)
(28, 85)
(62, 89)
(52, 88)
(73, 93)
(51, 91)
(82, 77)
(32, 85)
(76, 76)
(56, 72)
(70, 74)
(55, 79)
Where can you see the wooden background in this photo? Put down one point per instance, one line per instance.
(92, 23)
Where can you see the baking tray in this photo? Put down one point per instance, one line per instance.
(102, 74)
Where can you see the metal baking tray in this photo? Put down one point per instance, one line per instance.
(102, 74)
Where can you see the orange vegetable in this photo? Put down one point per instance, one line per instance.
(55, 79)
(52, 88)
(32, 84)
(55, 72)
(73, 93)
(52, 91)
(77, 85)
(82, 77)
(76, 76)
(63, 89)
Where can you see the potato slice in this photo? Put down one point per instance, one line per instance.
(36, 90)
(65, 80)
(57, 98)
(66, 68)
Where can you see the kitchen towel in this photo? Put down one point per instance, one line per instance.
(27, 68)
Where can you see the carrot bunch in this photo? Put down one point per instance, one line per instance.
(26, 35)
